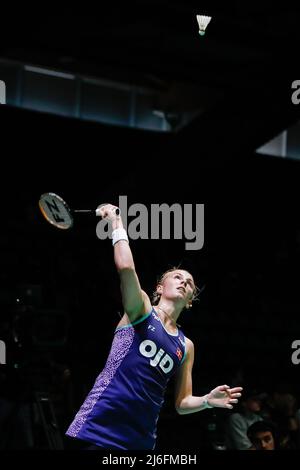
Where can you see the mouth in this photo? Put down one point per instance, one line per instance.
(182, 289)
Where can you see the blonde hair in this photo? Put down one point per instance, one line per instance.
(156, 296)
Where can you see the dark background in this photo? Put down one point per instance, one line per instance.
(247, 315)
(59, 333)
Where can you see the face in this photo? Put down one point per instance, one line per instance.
(253, 405)
(178, 285)
(264, 441)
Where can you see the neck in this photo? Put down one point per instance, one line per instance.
(170, 314)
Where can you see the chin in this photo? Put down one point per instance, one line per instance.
(179, 296)
(180, 300)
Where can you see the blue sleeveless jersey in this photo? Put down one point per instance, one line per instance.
(121, 411)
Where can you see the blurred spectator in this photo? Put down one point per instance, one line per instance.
(239, 422)
(263, 436)
(281, 408)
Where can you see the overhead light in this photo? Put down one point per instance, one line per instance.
(203, 22)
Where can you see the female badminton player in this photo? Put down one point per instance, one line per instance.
(122, 409)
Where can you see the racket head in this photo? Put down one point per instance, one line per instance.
(56, 211)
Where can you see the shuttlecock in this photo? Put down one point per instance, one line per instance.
(203, 22)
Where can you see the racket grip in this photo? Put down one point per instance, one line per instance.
(86, 211)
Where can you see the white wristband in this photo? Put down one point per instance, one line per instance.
(205, 403)
(119, 234)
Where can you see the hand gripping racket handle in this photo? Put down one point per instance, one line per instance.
(117, 211)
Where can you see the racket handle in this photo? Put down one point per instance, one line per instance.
(87, 211)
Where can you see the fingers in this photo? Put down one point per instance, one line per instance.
(231, 402)
(231, 390)
(102, 209)
(223, 388)
(108, 211)
(236, 390)
(232, 395)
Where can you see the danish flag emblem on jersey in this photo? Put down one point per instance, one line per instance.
(179, 354)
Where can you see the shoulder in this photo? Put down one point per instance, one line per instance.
(236, 418)
(189, 344)
(189, 348)
(147, 302)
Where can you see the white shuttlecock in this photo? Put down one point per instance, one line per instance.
(203, 22)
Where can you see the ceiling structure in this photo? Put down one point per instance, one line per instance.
(235, 81)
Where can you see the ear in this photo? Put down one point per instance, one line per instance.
(159, 289)
(189, 305)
